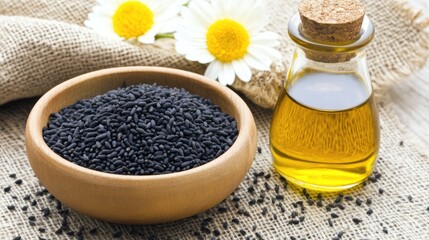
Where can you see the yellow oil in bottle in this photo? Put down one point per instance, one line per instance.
(325, 131)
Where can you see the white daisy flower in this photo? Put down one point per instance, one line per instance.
(228, 35)
(134, 19)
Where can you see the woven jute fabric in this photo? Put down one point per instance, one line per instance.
(42, 43)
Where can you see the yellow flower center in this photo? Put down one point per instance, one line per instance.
(227, 40)
(132, 19)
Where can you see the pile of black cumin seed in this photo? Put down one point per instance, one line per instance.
(141, 130)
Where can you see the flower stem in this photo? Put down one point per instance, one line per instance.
(164, 35)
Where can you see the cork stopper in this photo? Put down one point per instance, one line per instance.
(331, 20)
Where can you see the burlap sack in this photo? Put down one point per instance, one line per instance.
(38, 53)
(48, 45)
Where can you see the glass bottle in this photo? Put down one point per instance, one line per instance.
(325, 130)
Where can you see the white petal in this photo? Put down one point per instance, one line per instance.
(213, 70)
(202, 56)
(262, 52)
(256, 63)
(227, 75)
(242, 70)
(268, 39)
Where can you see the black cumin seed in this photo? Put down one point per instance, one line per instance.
(334, 215)
(216, 232)
(340, 234)
(117, 234)
(17, 238)
(401, 143)
(46, 211)
(357, 220)
(252, 202)
(348, 198)
(24, 208)
(11, 207)
(372, 179)
(338, 199)
(410, 198)
(70, 233)
(310, 202)
(335, 238)
(369, 212)
(368, 201)
(93, 231)
(40, 238)
(242, 232)
(268, 176)
(18, 182)
(258, 236)
(341, 206)
(222, 209)
(358, 202)
(33, 203)
(235, 220)
(259, 150)
(251, 189)
(235, 199)
(385, 230)
(319, 203)
(279, 197)
(292, 238)
(42, 230)
(225, 225)
(14, 197)
(265, 210)
(32, 218)
(26, 197)
(301, 218)
(7, 189)
(194, 131)
(330, 222)
(12, 175)
(380, 191)
(59, 231)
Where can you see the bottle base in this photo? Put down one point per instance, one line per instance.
(336, 183)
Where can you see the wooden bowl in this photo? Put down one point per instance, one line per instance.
(140, 199)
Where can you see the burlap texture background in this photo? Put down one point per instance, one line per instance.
(47, 44)
(41, 45)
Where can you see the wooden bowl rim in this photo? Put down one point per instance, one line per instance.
(245, 115)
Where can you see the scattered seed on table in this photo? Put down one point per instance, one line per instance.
(368, 201)
(222, 209)
(385, 230)
(42, 230)
(17, 238)
(377, 175)
(341, 206)
(380, 191)
(225, 225)
(32, 218)
(117, 234)
(334, 215)
(11, 207)
(340, 234)
(259, 150)
(335, 238)
(339, 199)
(93, 231)
(33, 203)
(258, 236)
(18, 182)
(216, 232)
(70, 233)
(14, 197)
(410, 198)
(369, 212)
(7, 189)
(401, 143)
(265, 210)
(143, 118)
(357, 220)
(348, 198)
(301, 218)
(12, 175)
(46, 211)
(242, 232)
(59, 231)
(310, 202)
(27, 197)
(24, 208)
(358, 202)
(330, 222)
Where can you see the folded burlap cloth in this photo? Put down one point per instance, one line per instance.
(43, 42)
